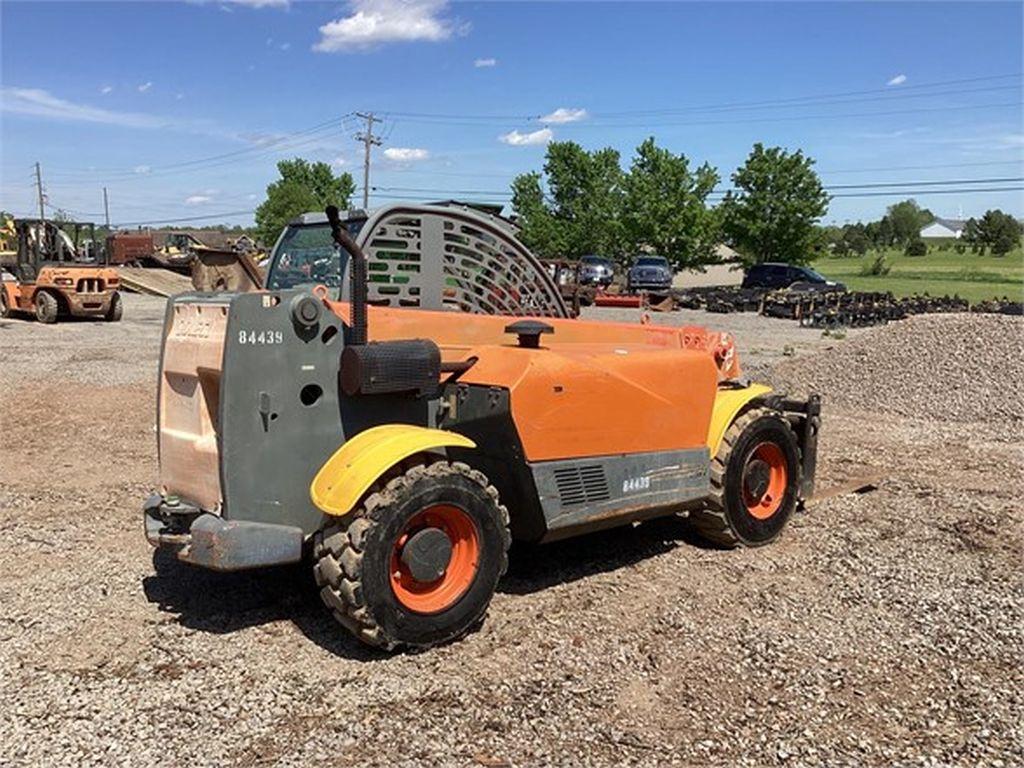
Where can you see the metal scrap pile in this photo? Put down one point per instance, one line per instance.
(852, 309)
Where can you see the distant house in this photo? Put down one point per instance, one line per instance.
(943, 229)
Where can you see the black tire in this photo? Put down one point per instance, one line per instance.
(5, 307)
(353, 557)
(47, 307)
(115, 310)
(726, 519)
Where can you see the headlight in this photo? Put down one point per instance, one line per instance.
(63, 281)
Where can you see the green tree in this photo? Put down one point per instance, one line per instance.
(915, 247)
(998, 230)
(582, 211)
(970, 235)
(303, 187)
(777, 203)
(855, 237)
(666, 210)
(906, 219)
(539, 229)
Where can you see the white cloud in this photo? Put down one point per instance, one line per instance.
(197, 199)
(339, 161)
(371, 22)
(39, 103)
(564, 115)
(141, 169)
(145, 86)
(285, 46)
(106, 89)
(517, 139)
(179, 96)
(898, 80)
(406, 154)
(478, 63)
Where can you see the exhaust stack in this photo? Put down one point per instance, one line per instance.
(358, 275)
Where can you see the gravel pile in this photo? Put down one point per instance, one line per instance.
(964, 368)
(884, 629)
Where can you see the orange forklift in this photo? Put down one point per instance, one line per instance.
(55, 274)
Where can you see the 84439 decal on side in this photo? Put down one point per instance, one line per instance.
(260, 337)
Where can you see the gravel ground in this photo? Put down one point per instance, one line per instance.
(882, 629)
(956, 367)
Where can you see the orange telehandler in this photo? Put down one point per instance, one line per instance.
(402, 445)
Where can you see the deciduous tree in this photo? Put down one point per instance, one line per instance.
(302, 187)
(771, 216)
(666, 210)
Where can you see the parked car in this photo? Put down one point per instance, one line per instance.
(596, 270)
(649, 273)
(777, 276)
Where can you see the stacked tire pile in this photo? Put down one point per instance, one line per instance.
(853, 309)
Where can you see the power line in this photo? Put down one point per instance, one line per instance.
(225, 158)
(205, 217)
(888, 93)
(924, 167)
(871, 185)
(908, 192)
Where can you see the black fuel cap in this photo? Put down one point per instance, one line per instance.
(306, 310)
(529, 332)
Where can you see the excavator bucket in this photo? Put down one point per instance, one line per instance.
(223, 270)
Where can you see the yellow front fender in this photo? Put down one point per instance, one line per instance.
(728, 403)
(353, 468)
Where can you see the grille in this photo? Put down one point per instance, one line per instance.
(480, 271)
(581, 484)
(90, 285)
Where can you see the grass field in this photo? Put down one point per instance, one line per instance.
(939, 273)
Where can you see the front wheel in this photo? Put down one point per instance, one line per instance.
(755, 477)
(417, 563)
(46, 307)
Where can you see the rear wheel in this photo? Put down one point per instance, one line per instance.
(418, 562)
(115, 310)
(46, 307)
(754, 480)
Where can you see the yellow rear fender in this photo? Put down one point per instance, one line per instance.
(349, 473)
(728, 404)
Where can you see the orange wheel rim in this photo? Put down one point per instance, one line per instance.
(765, 477)
(434, 596)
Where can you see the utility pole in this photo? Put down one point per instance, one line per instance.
(368, 140)
(106, 209)
(39, 191)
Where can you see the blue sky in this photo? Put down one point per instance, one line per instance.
(182, 109)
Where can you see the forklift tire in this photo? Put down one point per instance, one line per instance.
(5, 308)
(46, 307)
(115, 310)
(417, 563)
(755, 477)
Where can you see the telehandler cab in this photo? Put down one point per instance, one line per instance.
(50, 278)
(403, 446)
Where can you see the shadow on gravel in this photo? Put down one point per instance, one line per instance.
(532, 568)
(222, 603)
